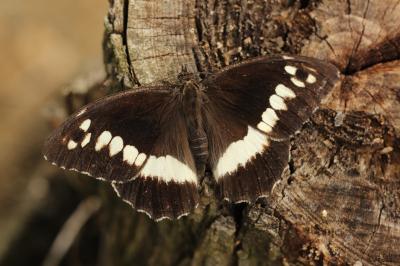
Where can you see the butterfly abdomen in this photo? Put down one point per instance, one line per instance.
(199, 146)
(191, 105)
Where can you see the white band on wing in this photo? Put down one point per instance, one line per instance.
(168, 168)
(240, 152)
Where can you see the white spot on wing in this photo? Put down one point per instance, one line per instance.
(103, 140)
(140, 159)
(182, 215)
(71, 144)
(85, 173)
(81, 112)
(286, 57)
(264, 127)
(168, 168)
(131, 204)
(140, 210)
(277, 102)
(130, 153)
(270, 117)
(284, 92)
(116, 145)
(240, 152)
(291, 70)
(311, 79)
(86, 140)
(85, 125)
(114, 186)
(297, 82)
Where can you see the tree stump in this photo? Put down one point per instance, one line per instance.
(338, 201)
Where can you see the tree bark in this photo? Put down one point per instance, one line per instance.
(338, 200)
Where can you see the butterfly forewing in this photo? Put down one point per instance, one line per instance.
(131, 139)
(256, 106)
(273, 94)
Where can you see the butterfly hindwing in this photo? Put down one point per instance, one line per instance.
(159, 199)
(131, 139)
(257, 177)
(245, 162)
(253, 109)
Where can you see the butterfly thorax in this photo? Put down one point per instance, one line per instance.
(192, 102)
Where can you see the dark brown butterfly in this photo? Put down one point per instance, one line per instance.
(154, 143)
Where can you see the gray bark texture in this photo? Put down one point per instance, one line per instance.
(338, 201)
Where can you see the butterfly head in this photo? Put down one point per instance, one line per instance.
(190, 87)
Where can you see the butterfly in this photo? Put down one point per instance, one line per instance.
(154, 144)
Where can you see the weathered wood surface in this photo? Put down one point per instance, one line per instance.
(338, 202)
